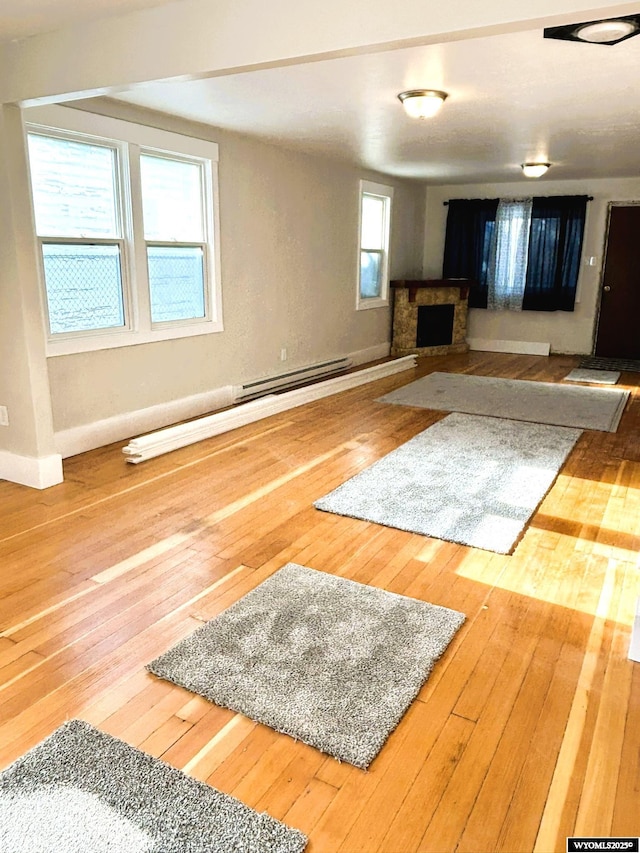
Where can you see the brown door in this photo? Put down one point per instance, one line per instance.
(618, 333)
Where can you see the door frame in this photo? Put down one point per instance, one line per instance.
(605, 247)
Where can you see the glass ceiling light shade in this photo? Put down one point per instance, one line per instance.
(606, 31)
(534, 170)
(422, 103)
(609, 31)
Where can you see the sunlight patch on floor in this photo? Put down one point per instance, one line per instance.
(555, 585)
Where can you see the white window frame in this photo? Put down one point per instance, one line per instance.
(131, 140)
(204, 244)
(386, 193)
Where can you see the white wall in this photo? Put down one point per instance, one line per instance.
(27, 450)
(289, 259)
(567, 332)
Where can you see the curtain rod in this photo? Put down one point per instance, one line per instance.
(589, 198)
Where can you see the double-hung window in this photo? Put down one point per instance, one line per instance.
(127, 231)
(76, 194)
(375, 227)
(174, 231)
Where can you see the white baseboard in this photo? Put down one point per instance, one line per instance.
(364, 356)
(522, 347)
(149, 446)
(79, 439)
(36, 472)
(74, 440)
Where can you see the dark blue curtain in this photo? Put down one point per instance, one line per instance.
(470, 225)
(555, 246)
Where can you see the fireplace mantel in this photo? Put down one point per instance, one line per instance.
(414, 285)
(430, 316)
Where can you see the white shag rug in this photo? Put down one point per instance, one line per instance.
(468, 479)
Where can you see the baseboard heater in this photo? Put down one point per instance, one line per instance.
(291, 379)
(172, 438)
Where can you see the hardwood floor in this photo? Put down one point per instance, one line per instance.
(528, 730)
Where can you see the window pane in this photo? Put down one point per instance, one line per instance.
(74, 192)
(370, 269)
(176, 283)
(172, 199)
(84, 287)
(372, 236)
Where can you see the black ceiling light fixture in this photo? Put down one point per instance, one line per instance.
(607, 31)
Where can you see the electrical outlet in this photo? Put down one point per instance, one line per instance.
(4, 416)
(283, 354)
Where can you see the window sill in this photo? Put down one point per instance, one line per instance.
(112, 340)
(365, 304)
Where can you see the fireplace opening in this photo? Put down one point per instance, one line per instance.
(435, 325)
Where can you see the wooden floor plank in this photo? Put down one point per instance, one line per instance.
(422, 799)
(450, 817)
(526, 730)
(597, 803)
(628, 784)
(307, 810)
(291, 784)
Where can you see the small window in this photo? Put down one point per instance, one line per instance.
(375, 224)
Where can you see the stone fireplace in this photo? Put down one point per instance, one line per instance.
(429, 316)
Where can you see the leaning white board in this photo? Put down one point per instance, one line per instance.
(173, 437)
(634, 645)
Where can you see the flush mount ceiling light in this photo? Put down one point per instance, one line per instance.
(609, 31)
(422, 103)
(534, 170)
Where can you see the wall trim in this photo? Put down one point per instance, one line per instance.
(85, 437)
(37, 472)
(163, 441)
(522, 347)
(79, 439)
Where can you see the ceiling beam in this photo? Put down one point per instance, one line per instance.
(190, 39)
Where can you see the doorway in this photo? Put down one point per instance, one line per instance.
(618, 329)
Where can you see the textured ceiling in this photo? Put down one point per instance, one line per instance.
(512, 98)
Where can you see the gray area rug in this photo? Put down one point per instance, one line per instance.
(597, 377)
(83, 791)
(518, 399)
(329, 661)
(467, 479)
